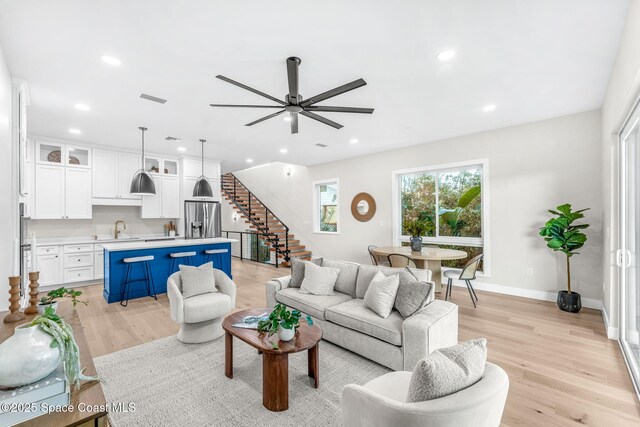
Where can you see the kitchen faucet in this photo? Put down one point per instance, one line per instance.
(116, 231)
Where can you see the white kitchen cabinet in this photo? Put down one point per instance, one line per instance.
(49, 188)
(50, 269)
(112, 174)
(193, 168)
(77, 193)
(212, 170)
(59, 154)
(98, 264)
(166, 202)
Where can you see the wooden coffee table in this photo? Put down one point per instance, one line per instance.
(275, 362)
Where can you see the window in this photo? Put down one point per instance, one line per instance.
(451, 200)
(326, 206)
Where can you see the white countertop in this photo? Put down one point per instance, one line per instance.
(54, 241)
(128, 246)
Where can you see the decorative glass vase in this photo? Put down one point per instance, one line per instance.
(27, 356)
(416, 244)
(285, 334)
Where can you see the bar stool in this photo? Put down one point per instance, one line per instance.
(176, 256)
(213, 254)
(147, 279)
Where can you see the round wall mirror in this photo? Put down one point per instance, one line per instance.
(363, 207)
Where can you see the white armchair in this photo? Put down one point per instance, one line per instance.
(200, 317)
(382, 402)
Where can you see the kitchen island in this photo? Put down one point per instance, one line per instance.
(115, 268)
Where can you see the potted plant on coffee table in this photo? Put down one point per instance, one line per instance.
(52, 296)
(416, 229)
(561, 234)
(282, 321)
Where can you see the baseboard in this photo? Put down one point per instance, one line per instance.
(612, 333)
(526, 293)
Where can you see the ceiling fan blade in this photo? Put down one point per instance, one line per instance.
(334, 92)
(250, 89)
(321, 119)
(339, 109)
(270, 116)
(294, 123)
(292, 76)
(246, 106)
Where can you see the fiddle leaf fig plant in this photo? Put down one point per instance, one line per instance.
(562, 234)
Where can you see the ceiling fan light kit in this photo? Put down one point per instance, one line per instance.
(142, 183)
(295, 105)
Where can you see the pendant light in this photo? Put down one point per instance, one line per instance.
(202, 187)
(142, 183)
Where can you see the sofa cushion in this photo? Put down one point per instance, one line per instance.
(354, 315)
(365, 276)
(346, 282)
(297, 271)
(201, 308)
(319, 280)
(314, 305)
(412, 296)
(381, 294)
(448, 370)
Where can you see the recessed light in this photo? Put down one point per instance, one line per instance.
(182, 149)
(249, 160)
(82, 107)
(111, 60)
(488, 108)
(287, 118)
(446, 55)
(284, 150)
(354, 140)
(75, 131)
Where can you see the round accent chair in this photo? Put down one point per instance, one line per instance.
(200, 316)
(382, 402)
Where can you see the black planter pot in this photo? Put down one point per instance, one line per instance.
(569, 302)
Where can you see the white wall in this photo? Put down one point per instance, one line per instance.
(102, 223)
(8, 187)
(622, 92)
(533, 167)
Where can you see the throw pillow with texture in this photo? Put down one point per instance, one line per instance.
(318, 280)
(366, 274)
(448, 370)
(197, 280)
(346, 282)
(297, 271)
(381, 294)
(412, 296)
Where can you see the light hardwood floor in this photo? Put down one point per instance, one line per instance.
(563, 370)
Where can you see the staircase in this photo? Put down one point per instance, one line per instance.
(263, 220)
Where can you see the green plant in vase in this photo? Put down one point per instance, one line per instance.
(563, 235)
(50, 300)
(416, 229)
(284, 322)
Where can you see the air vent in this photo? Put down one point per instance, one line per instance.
(153, 98)
(322, 145)
(172, 138)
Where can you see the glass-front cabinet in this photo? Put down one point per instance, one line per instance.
(161, 166)
(53, 153)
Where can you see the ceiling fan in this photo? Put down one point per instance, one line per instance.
(294, 104)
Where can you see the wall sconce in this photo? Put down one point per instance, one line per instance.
(288, 171)
(234, 217)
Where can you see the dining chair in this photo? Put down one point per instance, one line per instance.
(401, 260)
(375, 260)
(467, 274)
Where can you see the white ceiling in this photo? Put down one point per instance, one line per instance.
(533, 59)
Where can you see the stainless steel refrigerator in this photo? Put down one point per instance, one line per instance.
(202, 219)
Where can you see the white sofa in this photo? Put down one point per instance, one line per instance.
(393, 342)
(382, 402)
(200, 317)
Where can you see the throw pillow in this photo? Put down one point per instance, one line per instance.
(448, 370)
(297, 271)
(318, 280)
(382, 293)
(412, 296)
(366, 274)
(197, 280)
(346, 282)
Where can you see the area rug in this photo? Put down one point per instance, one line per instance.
(174, 384)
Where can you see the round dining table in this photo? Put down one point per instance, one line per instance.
(429, 258)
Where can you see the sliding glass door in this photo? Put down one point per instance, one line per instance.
(629, 255)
